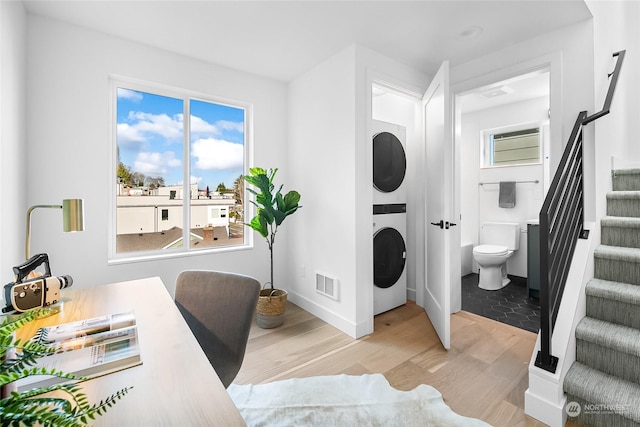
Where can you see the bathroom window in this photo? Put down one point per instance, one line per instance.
(517, 147)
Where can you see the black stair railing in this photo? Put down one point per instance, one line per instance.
(562, 224)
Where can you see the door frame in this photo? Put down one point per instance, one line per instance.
(415, 220)
(552, 64)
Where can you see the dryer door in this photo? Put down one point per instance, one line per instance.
(389, 254)
(389, 162)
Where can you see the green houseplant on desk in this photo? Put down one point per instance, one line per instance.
(31, 407)
(272, 209)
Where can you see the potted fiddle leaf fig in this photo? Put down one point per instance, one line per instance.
(67, 407)
(272, 209)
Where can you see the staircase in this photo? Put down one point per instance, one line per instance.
(605, 378)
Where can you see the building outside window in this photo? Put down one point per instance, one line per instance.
(172, 172)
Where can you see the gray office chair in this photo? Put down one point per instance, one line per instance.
(219, 307)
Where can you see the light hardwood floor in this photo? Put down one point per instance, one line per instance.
(483, 375)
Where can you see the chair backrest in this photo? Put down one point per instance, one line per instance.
(219, 308)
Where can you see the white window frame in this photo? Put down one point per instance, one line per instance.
(163, 90)
(485, 144)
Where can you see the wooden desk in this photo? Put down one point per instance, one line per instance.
(175, 385)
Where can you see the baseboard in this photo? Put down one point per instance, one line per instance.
(350, 328)
(543, 410)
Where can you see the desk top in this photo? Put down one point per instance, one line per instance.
(176, 385)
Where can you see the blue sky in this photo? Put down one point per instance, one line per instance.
(150, 138)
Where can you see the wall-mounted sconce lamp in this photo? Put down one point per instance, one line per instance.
(72, 218)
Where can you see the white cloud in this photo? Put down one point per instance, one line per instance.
(128, 133)
(227, 125)
(156, 163)
(216, 154)
(201, 126)
(159, 124)
(131, 95)
(196, 179)
(142, 126)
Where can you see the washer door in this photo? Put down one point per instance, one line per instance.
(389, 253)
(389, 162)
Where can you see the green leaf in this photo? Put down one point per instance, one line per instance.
(267, 215)
(30, 407)
(291, 200)
(272, 174)
(272, 206)
(264, 200)
(260, 225)
(257, 171)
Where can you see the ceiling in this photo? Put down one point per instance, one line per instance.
(283, 39)
(518, 89)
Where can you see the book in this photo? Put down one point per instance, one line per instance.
(87, 348)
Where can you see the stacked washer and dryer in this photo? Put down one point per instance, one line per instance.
(389, 216)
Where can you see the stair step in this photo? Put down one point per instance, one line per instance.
(620, 231)
(604, 399)
(617, 264)
(623, 203)
(614, 302)
(625, 179)
(604, 381)
(609, 348)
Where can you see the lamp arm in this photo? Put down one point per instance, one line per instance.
(27, 243)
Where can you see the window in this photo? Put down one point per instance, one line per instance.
(518, 147)
(178, 158)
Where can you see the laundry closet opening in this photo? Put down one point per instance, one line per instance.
(394, 141)
(503, 139)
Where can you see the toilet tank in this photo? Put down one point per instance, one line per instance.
(501, 234)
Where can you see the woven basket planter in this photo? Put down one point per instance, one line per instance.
(271, 307)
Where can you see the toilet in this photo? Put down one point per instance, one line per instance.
(498, 241)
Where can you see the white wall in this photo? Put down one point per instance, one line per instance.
(330, 163)
(322, 155)
(323, 97)
(69, 146)
(479, 203)
(13, 122)
(570, 57)
(616, 27)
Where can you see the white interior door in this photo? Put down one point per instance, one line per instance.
(439, 197)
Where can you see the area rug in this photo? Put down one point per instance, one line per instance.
(343, 400)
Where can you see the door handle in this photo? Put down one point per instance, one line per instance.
(439, 224)
(449, 224)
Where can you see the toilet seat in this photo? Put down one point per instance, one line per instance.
(491, 250)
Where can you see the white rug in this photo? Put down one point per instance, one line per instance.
(343, 400)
